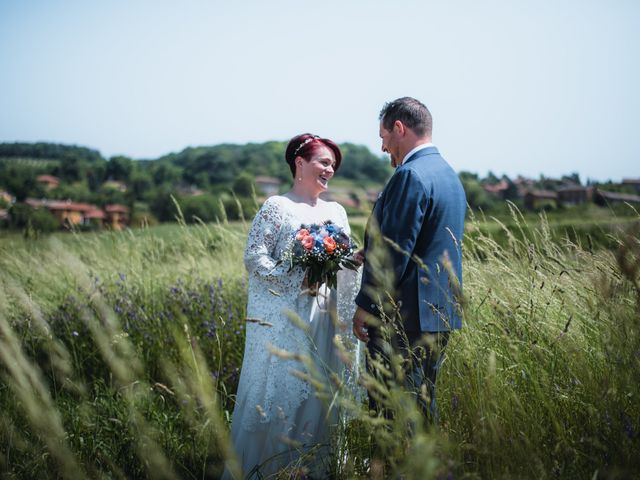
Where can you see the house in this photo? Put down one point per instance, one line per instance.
(116, 216)
(95, 217)
(633, 182)
(49, 181)
(71, 214)
(115, 185)
(68, 213)
(574, 195)
(344, 198)
(268, 185)
(535, 199)
(6, 197)
(603, 198)
(497, 189)
(523, 185)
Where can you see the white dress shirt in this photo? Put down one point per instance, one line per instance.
(416, 149)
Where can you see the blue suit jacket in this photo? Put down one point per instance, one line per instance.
(421, 210)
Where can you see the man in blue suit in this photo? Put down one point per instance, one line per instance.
(412, 279)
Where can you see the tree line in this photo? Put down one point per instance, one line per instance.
(208, 182)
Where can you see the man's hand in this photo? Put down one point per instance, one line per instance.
(358, 256)
(360, 324)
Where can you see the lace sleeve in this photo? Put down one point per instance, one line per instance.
(261, 255)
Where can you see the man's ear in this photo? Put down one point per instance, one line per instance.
(399, 127)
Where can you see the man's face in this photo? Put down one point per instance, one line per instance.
(390, 144)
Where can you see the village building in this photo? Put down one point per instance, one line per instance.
(574, 195)
(268, 186)
(48, 181)
(6, 197)
(343, 196)
(116, 216)
(115, 185)
(633, 182)
(74, 214)
(95, 217)
(535, 199)
(497, 189)
(523, 185)
(604, 198)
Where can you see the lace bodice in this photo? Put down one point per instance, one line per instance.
(276, 294)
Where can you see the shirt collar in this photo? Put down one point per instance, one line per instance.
(416, 149)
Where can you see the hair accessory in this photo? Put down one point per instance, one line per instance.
(308, 140)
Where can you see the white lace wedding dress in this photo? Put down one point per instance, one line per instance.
(278, 418)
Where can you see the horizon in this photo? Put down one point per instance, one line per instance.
(529, 89)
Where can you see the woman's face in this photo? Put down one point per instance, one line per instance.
(316, 172)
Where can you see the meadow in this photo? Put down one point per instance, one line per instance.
(120, 356)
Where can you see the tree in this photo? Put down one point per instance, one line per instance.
(119, 168)
(243, 186)
(204, 207)
(40, 220)
(21, 183)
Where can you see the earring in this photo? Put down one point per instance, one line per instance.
(299, 179)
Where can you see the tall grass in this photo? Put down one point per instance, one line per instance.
(120, 355)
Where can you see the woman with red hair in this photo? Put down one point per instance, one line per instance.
(279, 418)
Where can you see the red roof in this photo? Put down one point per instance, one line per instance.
(547, 194)
(60, 205)
(501, 186)
(116, 208)
(48, 179)
(70, 206)
(95, 214)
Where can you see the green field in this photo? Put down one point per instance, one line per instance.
(120, 355)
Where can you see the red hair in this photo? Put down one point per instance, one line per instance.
(306, 145)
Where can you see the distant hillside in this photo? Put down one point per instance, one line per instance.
(221, 164)
(205, 180)
(199, 166)
(48, 151)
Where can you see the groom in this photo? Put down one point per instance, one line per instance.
(412, 280)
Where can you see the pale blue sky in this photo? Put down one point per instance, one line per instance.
(516, 87)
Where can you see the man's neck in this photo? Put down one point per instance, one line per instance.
(418, 145)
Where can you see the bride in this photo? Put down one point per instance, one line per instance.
(280, 419)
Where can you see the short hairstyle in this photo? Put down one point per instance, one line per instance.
(305, 145)
(412, 113)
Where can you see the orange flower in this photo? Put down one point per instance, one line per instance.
(307, 242)
(329, 244)
(303, 232)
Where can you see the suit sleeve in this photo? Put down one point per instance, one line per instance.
(405, 206)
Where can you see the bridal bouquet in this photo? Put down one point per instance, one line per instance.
(322, 250)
